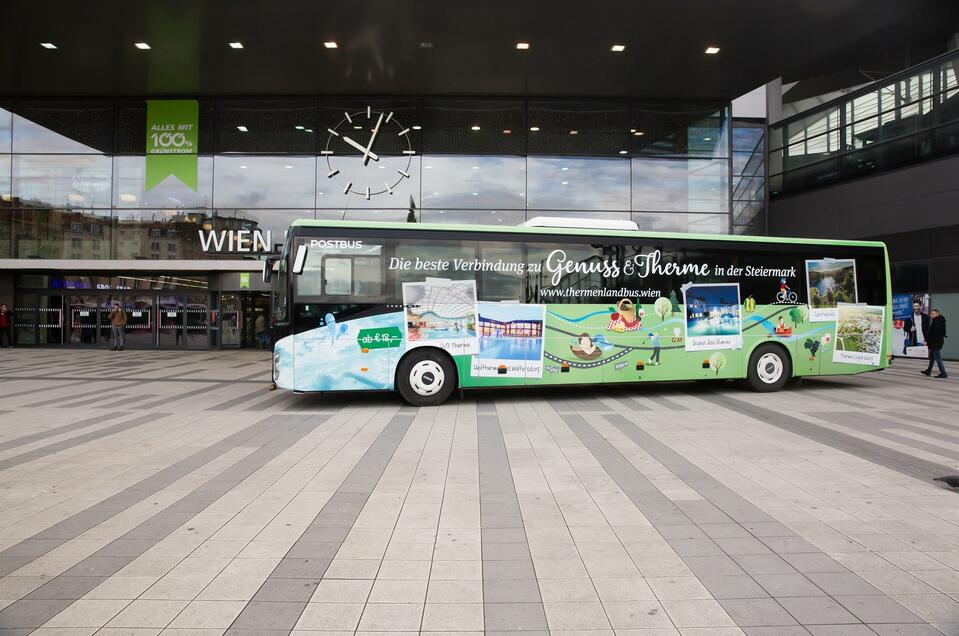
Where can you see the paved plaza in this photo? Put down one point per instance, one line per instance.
(170, 492)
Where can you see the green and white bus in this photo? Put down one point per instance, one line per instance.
(427, 309)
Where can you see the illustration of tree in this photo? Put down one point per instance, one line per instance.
(717, 361)
(662, 307)
(813, 346)
(674, 302)
(798, 314)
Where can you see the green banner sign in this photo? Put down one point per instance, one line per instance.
(379, 338)
(172, 140)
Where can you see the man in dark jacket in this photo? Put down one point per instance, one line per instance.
(935, 339)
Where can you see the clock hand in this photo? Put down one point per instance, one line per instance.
(376, 130)
(360, 147)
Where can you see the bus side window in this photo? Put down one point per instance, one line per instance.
(337, 276)
(367, 276)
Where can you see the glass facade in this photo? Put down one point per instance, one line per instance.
(73, 173)
(910, 117)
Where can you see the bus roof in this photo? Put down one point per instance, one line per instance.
(558, 231)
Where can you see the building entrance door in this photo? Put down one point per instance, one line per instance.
(139, 331)
(231, 321)
(169, 320)
(183, 321)
(38, 319)
(197, 321)
(84, 314)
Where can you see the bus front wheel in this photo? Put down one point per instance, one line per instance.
(426, 377)
(769, 368)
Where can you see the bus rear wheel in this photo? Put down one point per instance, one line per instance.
(425, 378)
(769, 368)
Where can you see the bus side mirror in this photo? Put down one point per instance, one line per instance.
(299, 260)
(268, 269)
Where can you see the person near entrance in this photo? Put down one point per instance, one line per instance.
(935, 339)
(118, 323)
(261, 332)
(6, 327)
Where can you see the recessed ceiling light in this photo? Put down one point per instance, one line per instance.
(534, 128)
(236, 45)
(574, 132)
(298, 127)
(416, 127)
(288, 167)
(707, 138)
(565, 182)
(242, 128)
(242, 167)
(426, 45)
(632, 130)
(309, 130)
(143, 46)
(618, 48)
(522, 46)
(564, 168)
(428, 167)
(330, 45)
(712, 50)
(48, 45)
(638, 133)
(507, 131)
(622, 152)
(474, 127)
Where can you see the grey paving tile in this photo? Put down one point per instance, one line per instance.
(514, 617)
(66, 587)
(742, 545)
(779, 630)
(503, 535)
(877, 609)
(683, 531)
(733, 586)
(757, 612)
(713, 565)
(817, 610)
(763, 564)
(913, 629)
(724, 531)
(812, 562)
(98, 566)
(779, 585)
(276, 589)
(789, 545)
(695, 547)
(505, 551)
(842, 583)
(261, 615)
(31, 613)
(511, 591)
(516, 569)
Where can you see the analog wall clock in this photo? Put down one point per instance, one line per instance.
(361, 131)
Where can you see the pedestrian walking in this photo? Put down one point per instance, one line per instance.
(260, 331)
(6, 327)
(118, 325)
(935, 339)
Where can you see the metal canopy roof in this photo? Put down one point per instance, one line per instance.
(438, 47)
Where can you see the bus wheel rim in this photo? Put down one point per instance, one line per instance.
(427, 377)
(769, 367)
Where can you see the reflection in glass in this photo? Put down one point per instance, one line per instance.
(62, 180)
(694, 223)
(698, 131)
(389, 187)
(129, 180)
(567, 183)
(276, 222)
(578, 128)
(259, 182)
(474, 127)
(6, 192)
(474, 182)
(73, 234)
(681, 185)
(474, 217)
(63, 127)
(267, 126)
(5, 122)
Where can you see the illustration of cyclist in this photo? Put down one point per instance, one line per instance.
(786, 294)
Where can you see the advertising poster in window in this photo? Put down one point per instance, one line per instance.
(859, 334)
(910, 319)
(830, 281)
(441, 313)
(510, 340)
(713, 319)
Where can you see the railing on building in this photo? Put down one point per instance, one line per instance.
(906, 118)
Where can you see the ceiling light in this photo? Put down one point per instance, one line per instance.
(242, 128)
(298, 127)
(707, 138)
(522, 46)
(632, 130)
(574, 132)
(309, 130)
(474, 127)
(638, 133)
(565, 182)
(236, 45)
(475, 167)
(507, 131)
(712, 50)
(426, 45)
(618, 48)
(143, 46)
(242, 167)
(428, 167)
(128, 198)
(622, 152)
(416, 127)
(534, 128)
(330, 45)
(48, 45)
(288, 167)
(475, 193)
(564, 168)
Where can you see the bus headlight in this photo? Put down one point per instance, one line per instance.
(276, 366)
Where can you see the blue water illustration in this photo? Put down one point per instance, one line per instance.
(604, 312)
(707, 327)
(510, 348)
